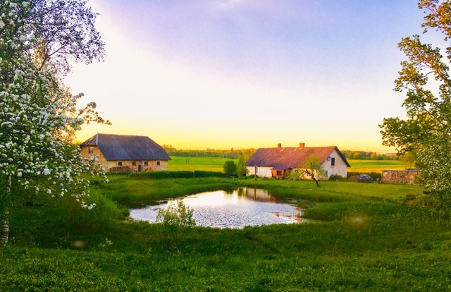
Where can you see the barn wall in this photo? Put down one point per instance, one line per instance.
(108, 164)
(262, 171)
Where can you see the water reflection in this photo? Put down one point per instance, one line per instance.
(234, 209)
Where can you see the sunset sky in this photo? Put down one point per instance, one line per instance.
(248, 73)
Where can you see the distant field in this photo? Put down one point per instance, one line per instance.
(197, 163)
(216, 163)
(375, 165)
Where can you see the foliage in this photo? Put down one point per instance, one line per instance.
(313, 168)
(336, 177)
(175, 174)
(192, 163)
(363, 155)
(38, 114)
(355, 245)
(176, 214)
(230, 168)
(216, 153)
(241, 168)
(427, 130)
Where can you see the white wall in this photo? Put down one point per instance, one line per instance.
(339, 168)
(262, 171)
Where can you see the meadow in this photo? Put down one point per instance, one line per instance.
(190, 163)
(197, 163)
(364, 237)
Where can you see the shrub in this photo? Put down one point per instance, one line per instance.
(336, 177)
(175, 174)
(176, 214)
(162, 174)
(201, 173)
(121, 169)
(230, 168)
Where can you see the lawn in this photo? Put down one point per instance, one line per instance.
(376, 165)
(365, 237)
(216, 163)
(197, 163)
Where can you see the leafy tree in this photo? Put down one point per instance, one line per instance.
(425, 77)
(38, 114)
(312, 167)
(241, 167)
(230, 168)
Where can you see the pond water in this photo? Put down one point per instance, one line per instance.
(233, 209)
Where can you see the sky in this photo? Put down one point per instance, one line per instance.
(236, 74)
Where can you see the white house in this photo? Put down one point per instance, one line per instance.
(280, 161)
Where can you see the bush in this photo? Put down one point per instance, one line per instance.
(336, 177)
(176, 174)
(162, 174)
(177, 214)
(121, 169)
(230, 168)
(201, 173)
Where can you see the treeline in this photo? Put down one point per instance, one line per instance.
(362, 155)
(231, 154)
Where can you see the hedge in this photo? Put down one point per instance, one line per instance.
(175, 174)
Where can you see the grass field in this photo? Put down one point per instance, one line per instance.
(376, 165)
(215, 164)
(197, 163)
(365, 237)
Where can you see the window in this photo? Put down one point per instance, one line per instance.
(91, 150)
(158, 162)
(279, 172)
(119, 163)
(146, 163)
(134, 163)
(332, 161)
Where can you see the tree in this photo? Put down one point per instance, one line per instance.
(312, 167)
(230, 168)
(426, 132)
(241, 167)
(38, 114)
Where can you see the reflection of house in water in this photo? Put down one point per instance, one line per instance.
(258, 195)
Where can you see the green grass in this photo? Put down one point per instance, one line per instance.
(366, 237)
(376, 165)
(216, 164)
(197, 163)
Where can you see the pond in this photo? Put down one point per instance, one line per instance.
(232, 209)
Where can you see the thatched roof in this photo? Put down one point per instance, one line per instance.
(290, 157)
(124, 147)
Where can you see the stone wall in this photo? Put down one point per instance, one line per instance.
(394, 176)
(152, 165)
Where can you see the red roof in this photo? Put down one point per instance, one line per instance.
(290, 157)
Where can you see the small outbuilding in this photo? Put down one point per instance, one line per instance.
(279, 162)
(125, 153)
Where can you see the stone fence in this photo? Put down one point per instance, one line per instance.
(400, 176)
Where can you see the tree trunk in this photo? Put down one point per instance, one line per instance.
(5, 222)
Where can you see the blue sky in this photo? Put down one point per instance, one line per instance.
(221, 74)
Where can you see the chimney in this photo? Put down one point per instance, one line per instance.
(279, 145)
(301, 145)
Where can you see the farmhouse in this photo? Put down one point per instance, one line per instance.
(280, 161)
(123, 153)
